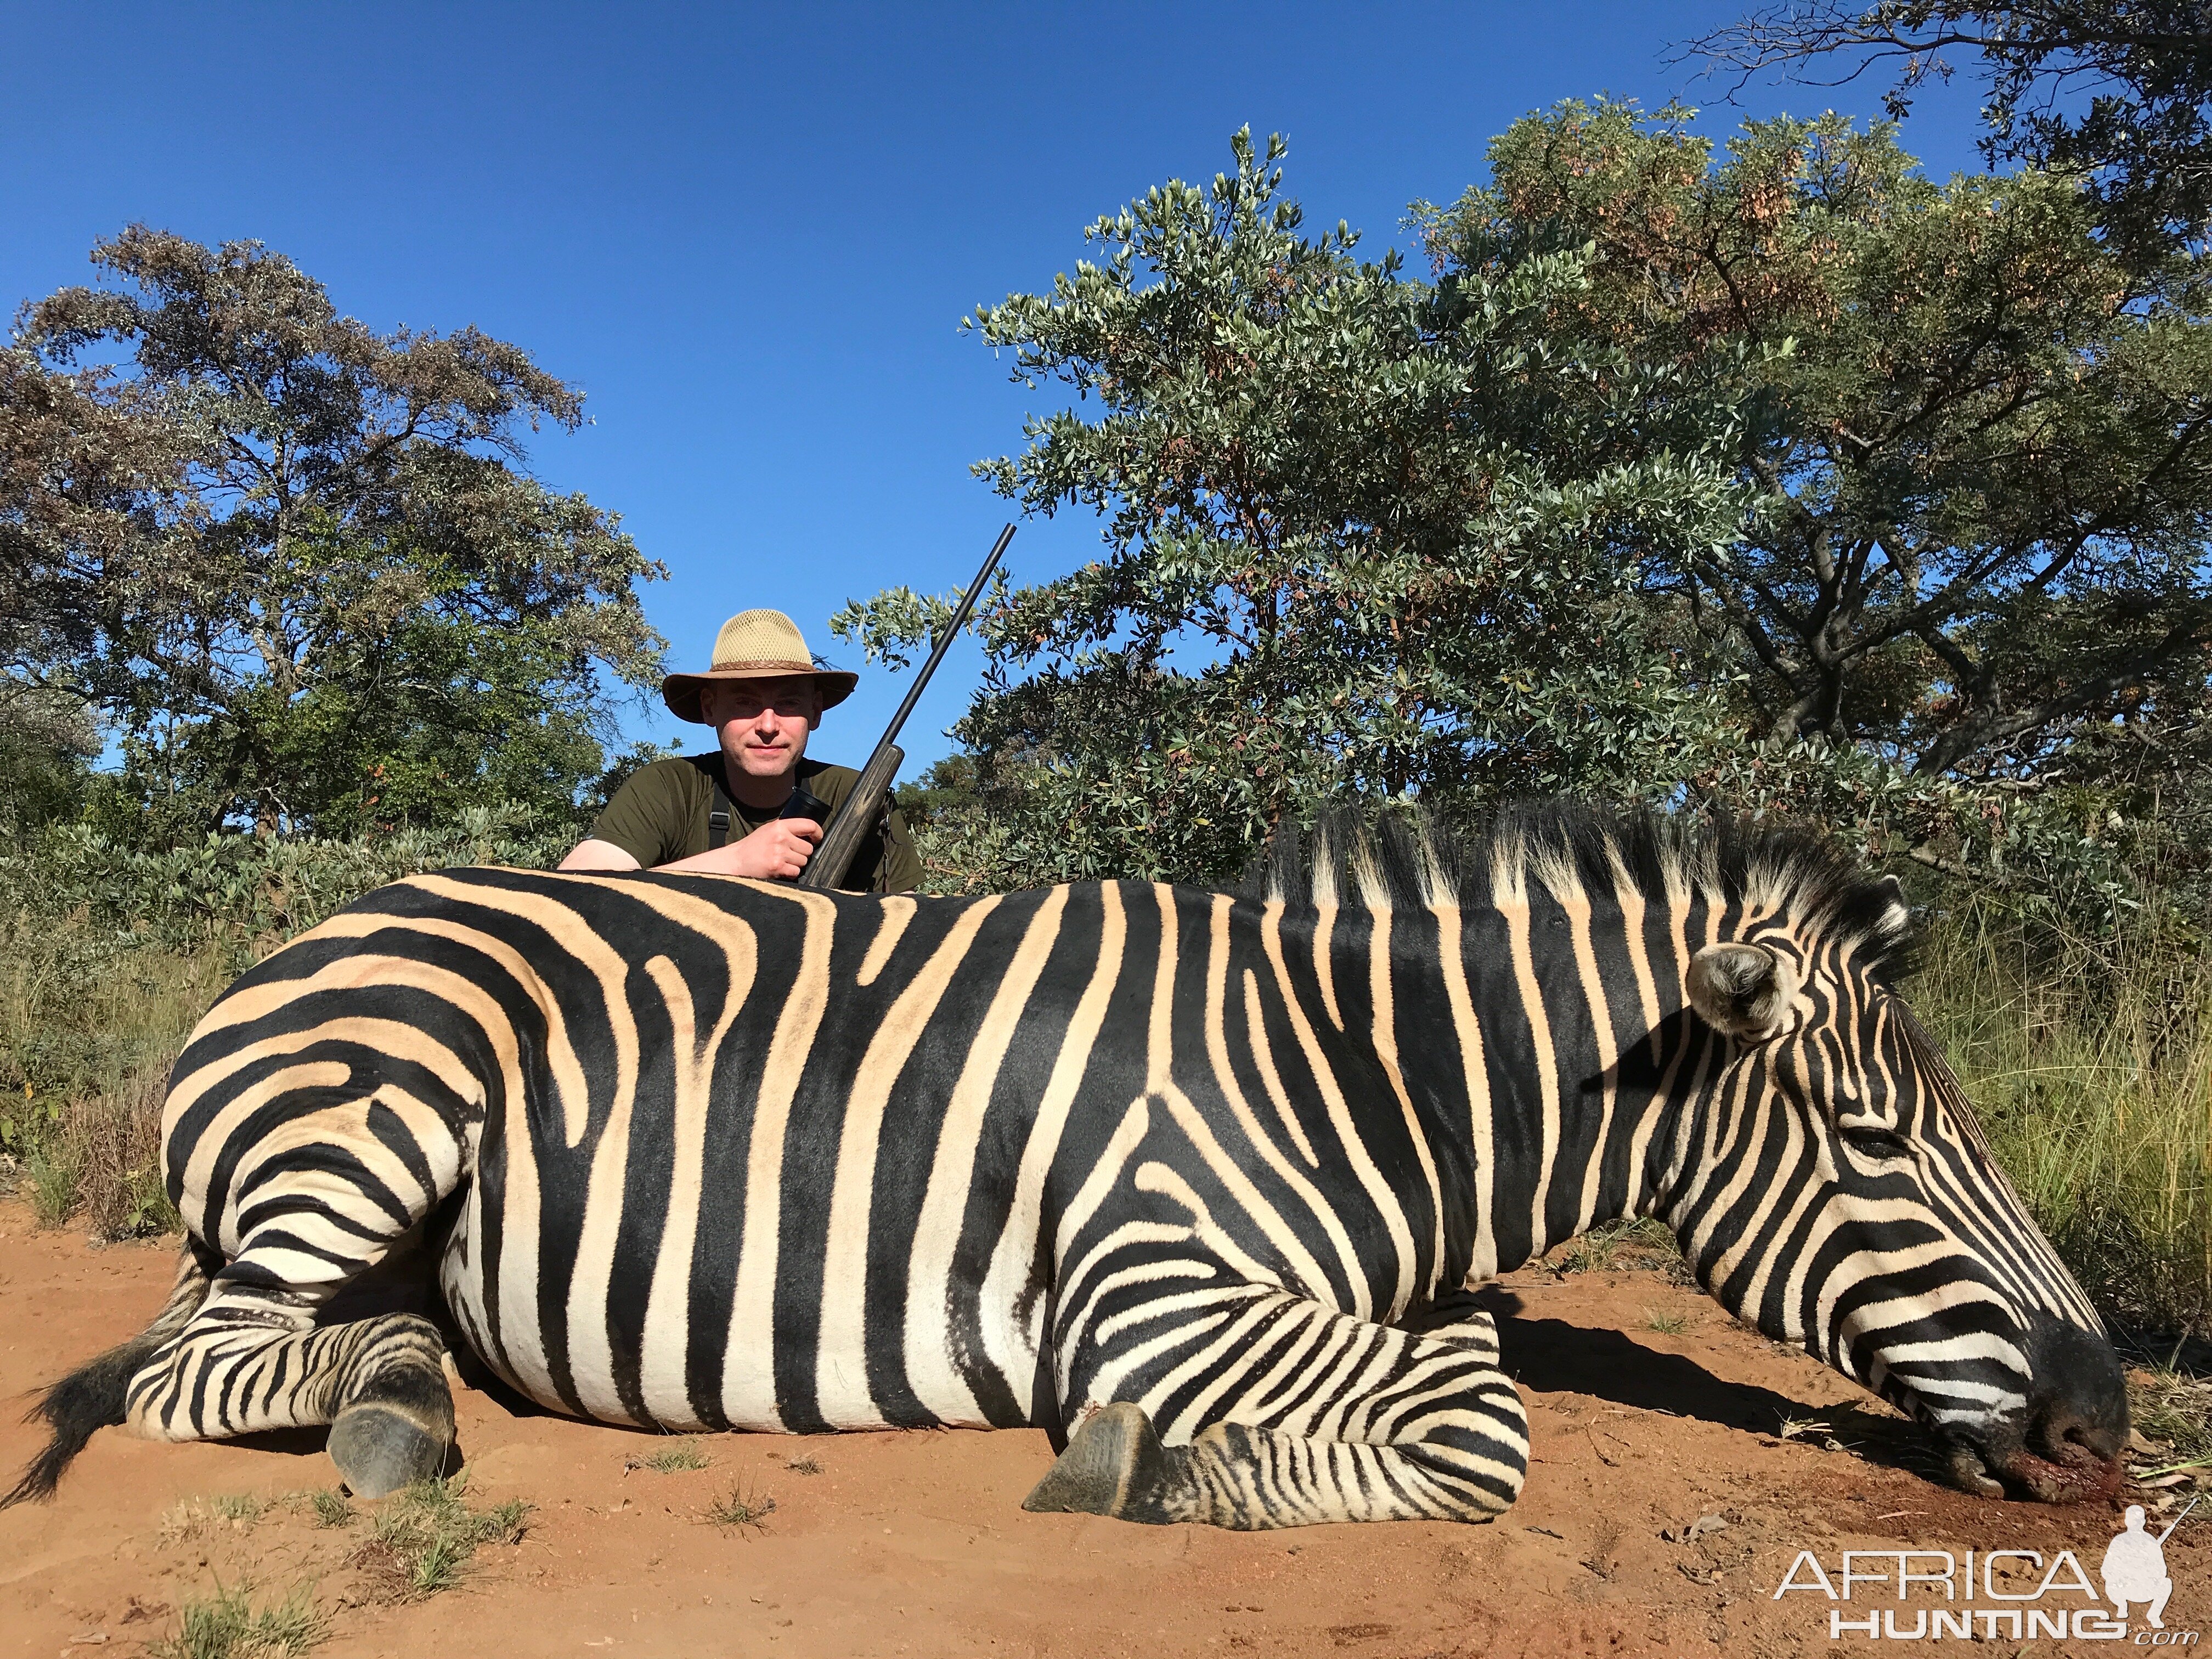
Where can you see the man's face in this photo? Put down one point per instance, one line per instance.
(762, 724)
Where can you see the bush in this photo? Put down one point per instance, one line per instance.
(112, 954)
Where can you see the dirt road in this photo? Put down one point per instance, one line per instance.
(1651, 1411)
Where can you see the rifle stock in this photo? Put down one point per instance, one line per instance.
(858, 815)
(853, 821)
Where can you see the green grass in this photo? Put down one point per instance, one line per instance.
(227, 1625)
(423, 1539)
(332, 1507)
(1666, 1321)
(51, 1172)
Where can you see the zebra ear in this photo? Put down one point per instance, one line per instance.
(1742, 989)
(1899, 916)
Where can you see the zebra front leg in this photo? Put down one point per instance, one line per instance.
(308, 1216)
(1251, 1408)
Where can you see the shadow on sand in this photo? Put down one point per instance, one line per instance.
(1550, 1356)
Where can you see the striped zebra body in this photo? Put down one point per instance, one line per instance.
(1199, 1177)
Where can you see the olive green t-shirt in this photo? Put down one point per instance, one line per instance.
(659, 816)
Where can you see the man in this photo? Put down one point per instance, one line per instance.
(756, 806)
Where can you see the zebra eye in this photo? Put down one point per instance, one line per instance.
(1877, 1139)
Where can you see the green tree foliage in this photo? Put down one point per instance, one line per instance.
(1782, 477)
(1367, 537)
(2115, 93)
(46, 744)
(1982, 438)
(294, 564)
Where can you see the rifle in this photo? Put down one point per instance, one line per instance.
(857, 817)
(2178, 1520)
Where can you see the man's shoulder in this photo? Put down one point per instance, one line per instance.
(678, 777)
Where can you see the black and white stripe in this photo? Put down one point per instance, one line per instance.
(1197, 1176)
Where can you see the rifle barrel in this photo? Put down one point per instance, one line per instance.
(2178, 1520)
(943, 642)
(842, 837)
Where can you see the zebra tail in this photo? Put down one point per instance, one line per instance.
(93, 1396)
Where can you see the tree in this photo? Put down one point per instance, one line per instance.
(46, 746)
(1366, 537)
(294, 563)
(2117, 93)
(1983, 446)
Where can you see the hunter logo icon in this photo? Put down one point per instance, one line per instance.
(2135, 1566)
(1988, 1593)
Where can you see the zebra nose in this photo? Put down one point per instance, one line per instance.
(2077, 1408)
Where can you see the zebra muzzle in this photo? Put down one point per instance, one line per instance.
(2071, 1473)
(2057, 1462)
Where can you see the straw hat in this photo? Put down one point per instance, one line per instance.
(755, 645)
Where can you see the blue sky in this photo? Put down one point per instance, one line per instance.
(748, 234)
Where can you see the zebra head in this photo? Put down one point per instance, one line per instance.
(1836, 1192)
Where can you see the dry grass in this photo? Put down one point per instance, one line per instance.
(227, 1625)
(115, 1142)
(2173, 1413)
(2090, 1064)
(90, 1028)
(1810, 1429)
(196, 1518)
(739, 1508)
(1638, 1242)
(1604, 1557)
(677, 1456)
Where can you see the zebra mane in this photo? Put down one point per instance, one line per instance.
(1412, 858)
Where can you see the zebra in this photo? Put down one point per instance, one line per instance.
(1197, 1181)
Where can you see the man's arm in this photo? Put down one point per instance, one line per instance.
(591, 854)
(653, 815)
(776, 851)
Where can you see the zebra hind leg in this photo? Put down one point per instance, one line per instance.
(397, 1422)
(312, 1218)
(1291, 1414)
(251, 1359)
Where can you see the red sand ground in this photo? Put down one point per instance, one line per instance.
(914, 1543)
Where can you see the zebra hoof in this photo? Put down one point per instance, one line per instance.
(379, 1451)
(1114, 1465)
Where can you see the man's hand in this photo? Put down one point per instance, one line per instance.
(775, 852)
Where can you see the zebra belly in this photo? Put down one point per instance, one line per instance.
(662, 1382)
